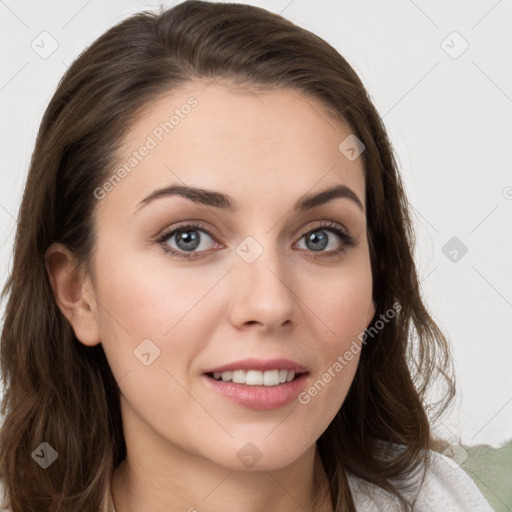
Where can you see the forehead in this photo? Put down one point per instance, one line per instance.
(248, 144)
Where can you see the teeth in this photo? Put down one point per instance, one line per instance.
(271, 378)
(256, 377)
(226, 376)
(239, 377)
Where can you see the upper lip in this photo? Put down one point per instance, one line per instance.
(261, 365)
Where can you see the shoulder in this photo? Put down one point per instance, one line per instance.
(445, 487)
(448, 487)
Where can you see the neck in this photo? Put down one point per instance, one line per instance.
(141, 483)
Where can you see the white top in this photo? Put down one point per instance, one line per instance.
(446, 488)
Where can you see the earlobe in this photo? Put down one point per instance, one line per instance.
(71, 294)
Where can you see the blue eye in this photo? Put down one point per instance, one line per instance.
(187, 240)
(190, 240)
(319, 239)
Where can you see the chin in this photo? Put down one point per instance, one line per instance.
(262, 454)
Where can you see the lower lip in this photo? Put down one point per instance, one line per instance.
(260, 397)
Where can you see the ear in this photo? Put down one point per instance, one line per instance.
(74, 293)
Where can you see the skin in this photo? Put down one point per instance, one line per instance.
(265, 150)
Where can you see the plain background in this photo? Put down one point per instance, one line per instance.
(447, 109)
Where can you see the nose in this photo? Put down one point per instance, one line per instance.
(263, 292)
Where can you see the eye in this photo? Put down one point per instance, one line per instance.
(190, 238)
(318, 239)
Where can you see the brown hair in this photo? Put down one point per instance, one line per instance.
(61, 392)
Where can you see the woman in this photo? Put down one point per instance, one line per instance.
(213, 297)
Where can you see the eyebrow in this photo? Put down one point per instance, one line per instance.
(223, 201)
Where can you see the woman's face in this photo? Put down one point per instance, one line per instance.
(265, 285)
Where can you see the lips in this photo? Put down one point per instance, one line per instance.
(252, 382)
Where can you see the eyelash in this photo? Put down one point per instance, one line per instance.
(347, 239)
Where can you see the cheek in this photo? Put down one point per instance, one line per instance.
(148, 300)
(343, 307)
(339, 349)
(342, 303)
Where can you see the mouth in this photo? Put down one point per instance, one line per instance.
(258, 384)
